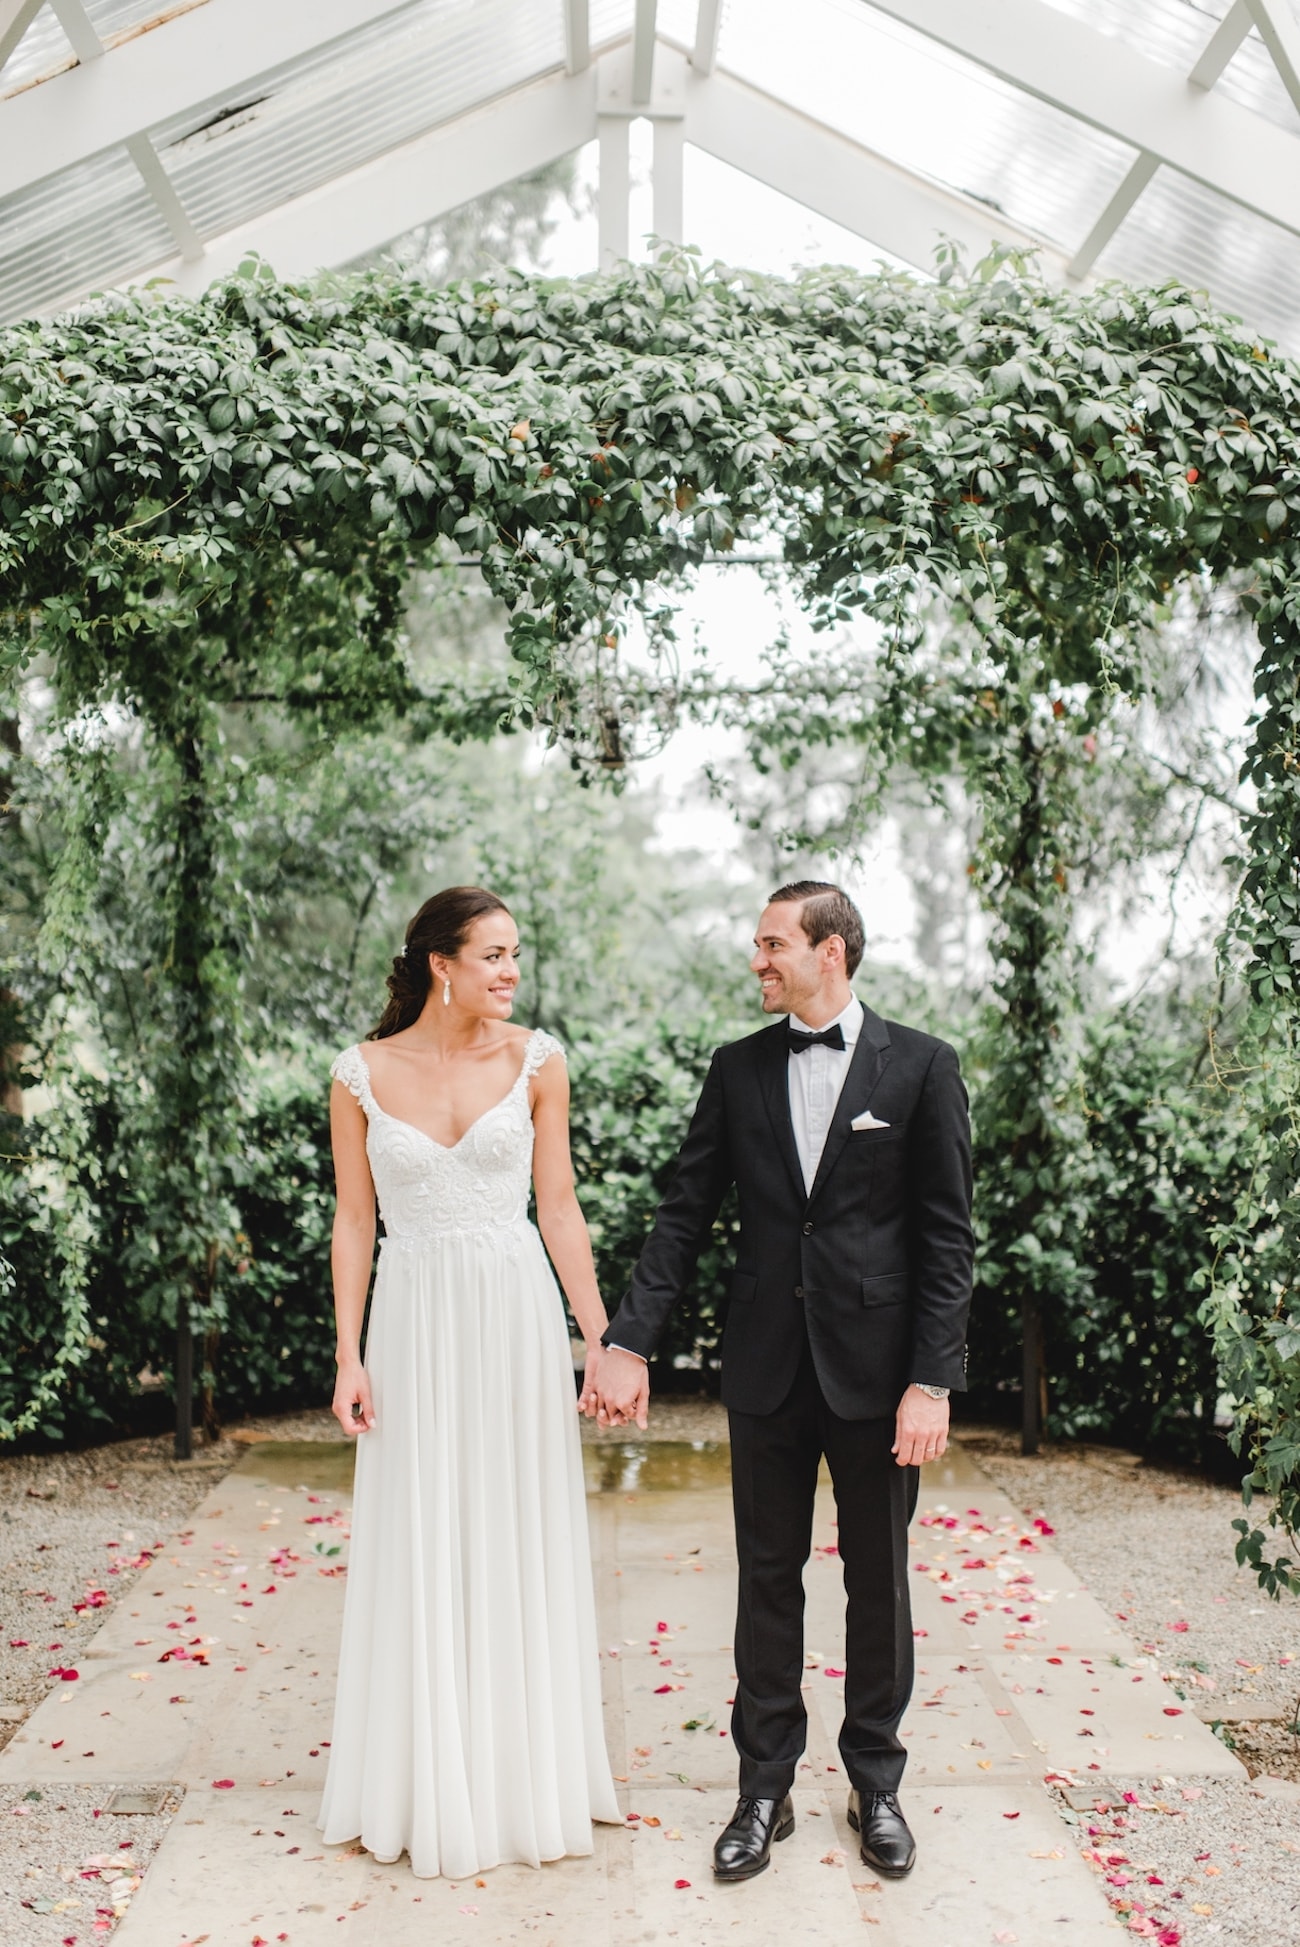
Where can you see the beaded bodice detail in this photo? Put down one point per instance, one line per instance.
(427, 1190)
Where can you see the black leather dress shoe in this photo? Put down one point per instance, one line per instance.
(887, 1845)
(745, 1846)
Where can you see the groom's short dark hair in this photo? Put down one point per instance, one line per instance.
(827, 909)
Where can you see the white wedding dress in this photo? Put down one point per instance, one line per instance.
(467, 1722)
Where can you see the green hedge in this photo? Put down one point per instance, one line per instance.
(1160, 1160)
(1163, 1155)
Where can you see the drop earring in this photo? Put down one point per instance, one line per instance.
(446, 993)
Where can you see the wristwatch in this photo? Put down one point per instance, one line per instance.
(935, 1392)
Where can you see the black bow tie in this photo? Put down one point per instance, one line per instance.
(831, 1037)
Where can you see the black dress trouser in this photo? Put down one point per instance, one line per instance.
(774, 1462)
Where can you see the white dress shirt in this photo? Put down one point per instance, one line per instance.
(816, 1078)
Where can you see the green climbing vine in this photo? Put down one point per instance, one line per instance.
(215, 502)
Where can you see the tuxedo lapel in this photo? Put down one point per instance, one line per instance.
(774, 1083)
(870, 1060)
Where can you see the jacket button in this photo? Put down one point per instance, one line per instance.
(798, 1291)
(807, 1230)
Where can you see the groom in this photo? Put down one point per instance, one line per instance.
(848, 1141)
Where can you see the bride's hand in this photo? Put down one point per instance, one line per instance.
(352, 1388)
(589, 1397)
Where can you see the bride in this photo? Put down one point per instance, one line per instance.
(467, 1721)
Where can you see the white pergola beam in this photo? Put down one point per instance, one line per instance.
(1281, 36)
(1229, 149)
(643, 51)
(176, 70)
(1222, 45)
(410, 185)
(827, 172)
(79, 28)
(577, 36)
(16, 16)
(708, 20)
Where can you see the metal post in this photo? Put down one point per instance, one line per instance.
(1033, 1378)
(184, 1383)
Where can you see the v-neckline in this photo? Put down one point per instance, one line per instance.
(447, 1149)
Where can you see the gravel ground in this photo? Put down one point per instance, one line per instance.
(75, 1528)
(1190, 1864)
(66, 1863)
(1182, 1861)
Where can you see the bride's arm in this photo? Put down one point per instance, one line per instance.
(559, 1217)
(351, 1256)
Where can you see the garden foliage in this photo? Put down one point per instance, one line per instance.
(212, 505)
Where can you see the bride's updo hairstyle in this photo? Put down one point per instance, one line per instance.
(441, 926)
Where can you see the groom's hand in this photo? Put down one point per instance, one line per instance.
(920, 1428)
(623, 1383)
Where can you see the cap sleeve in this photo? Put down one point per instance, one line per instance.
(540, 1049)
(350, 1069)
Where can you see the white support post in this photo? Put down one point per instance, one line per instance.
(704, 54)
(669, 169)
(16, 16)
(79, 28)
(1222, 45)
(613, 218)
(577, 36)
(1281, 36)
(163, 190)
(1111, 217)
(643, 52)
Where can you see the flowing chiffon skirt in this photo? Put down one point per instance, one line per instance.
(467, 1724)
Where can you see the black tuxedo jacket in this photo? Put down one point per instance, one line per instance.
(875, 1265)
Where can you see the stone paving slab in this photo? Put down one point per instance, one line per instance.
(262, 1694)
(1084, 1714)
(986, 1725)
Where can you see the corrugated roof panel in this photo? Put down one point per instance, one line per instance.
(77, 232)
(1248, 266)
(930, 110)
(298, 127)
(45, 49)
(607, 19)
(1175, 32)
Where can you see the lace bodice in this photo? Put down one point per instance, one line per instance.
(427, 1190)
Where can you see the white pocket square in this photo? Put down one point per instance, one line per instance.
(867, 1121)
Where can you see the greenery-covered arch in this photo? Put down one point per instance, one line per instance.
(213, 501)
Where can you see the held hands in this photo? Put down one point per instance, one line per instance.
(616, 1387)
(352, 1389)
(920, 1428)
